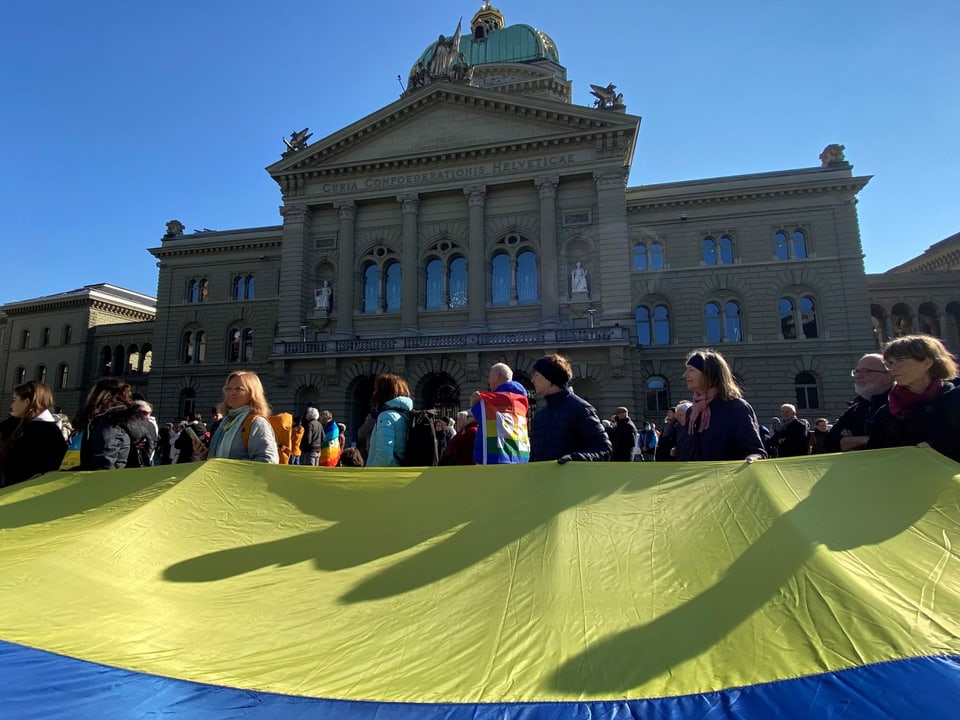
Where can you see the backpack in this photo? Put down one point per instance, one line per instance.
(421, 448)
(282, 425)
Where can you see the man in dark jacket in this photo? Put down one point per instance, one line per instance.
(668, 437)
(792, 439)
(871, 382)
(567, 427)
(623, 436)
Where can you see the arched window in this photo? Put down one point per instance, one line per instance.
(24, 339)
(653, 327)
(63, 376)
(434, 278)
(186, 347)
(808, 317)
(249, 292)
(725, 248)
(19, 376)
(640, 257)
(718, 252)
(901, 317)
(501, 280)
(67, 334)
(247, 353)
(527, 285)
(106, 361)
(40, 374)
(808, 393)
(240, 345)
(792, 247)
(238, 287)
(193, 291)
(723, 322)
(709, 251)
(458, 283)
(204, 290)
(188, 402)
(200, 348)
(392, 294)
(657, 395)
(133, 360)
(928, 320)
(781, 245)
(371, 289)
(656, 256)
(45, 337)
(788, 319)
(644, 334)
(119, 360)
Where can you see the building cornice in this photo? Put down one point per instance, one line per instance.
(688, 196)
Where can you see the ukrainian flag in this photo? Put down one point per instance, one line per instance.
(818, 587)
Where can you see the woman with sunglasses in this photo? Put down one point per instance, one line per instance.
(923, 406)
(32, 442)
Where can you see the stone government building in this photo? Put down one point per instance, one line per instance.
(484, 217)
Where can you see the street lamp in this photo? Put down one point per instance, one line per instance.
(591, 312)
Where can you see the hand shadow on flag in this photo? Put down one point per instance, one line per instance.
(460, 514)
(850, 506)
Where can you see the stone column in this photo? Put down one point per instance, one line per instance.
(294, 272)
(476, 259)
(549, 291)
(344, 298)
(409, 263)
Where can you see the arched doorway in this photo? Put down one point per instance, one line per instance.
(439, 392)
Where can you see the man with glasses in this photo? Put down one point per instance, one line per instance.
(872, 382)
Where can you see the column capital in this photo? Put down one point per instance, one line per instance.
(295, 213)
(410, 202)
(346, 208)
(476, 195)
(547, 186)
(615, 179)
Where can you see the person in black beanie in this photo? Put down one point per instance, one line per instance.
(567, 427)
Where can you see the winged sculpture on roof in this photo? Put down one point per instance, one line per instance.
(606, 96)
(298, 140)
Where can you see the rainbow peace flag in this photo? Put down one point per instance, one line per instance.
(505, 436)
(807, 588)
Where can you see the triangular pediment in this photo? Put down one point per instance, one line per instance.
(445, 119)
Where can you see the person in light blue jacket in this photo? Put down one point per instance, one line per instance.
(392, 404)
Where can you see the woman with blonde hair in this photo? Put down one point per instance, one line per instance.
(923, 406)
(31, 443)
(720, 425)
(244, 433)
(391, 402)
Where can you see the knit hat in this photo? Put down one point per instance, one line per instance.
(555, 374)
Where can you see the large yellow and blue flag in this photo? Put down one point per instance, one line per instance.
(818, 587)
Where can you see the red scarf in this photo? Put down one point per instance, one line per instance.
(901, 399)
(701, 409)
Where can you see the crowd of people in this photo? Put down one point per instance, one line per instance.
(908, 395)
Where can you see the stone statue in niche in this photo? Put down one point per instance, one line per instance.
(578, 279)
(323, 296)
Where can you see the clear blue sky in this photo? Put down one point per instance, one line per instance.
(118, 116)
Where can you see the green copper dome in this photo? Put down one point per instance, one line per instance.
(488, 40)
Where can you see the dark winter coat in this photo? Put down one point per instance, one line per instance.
(733, 434)
(792, 439)
(36, 448)
(568, 425)
(935, 421)
(108, 437)
(857, 418)
(623, 437)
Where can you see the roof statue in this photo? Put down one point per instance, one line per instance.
(606, 97)
(174, 228)
(444, 54)
(832, 154)
(297, 141)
